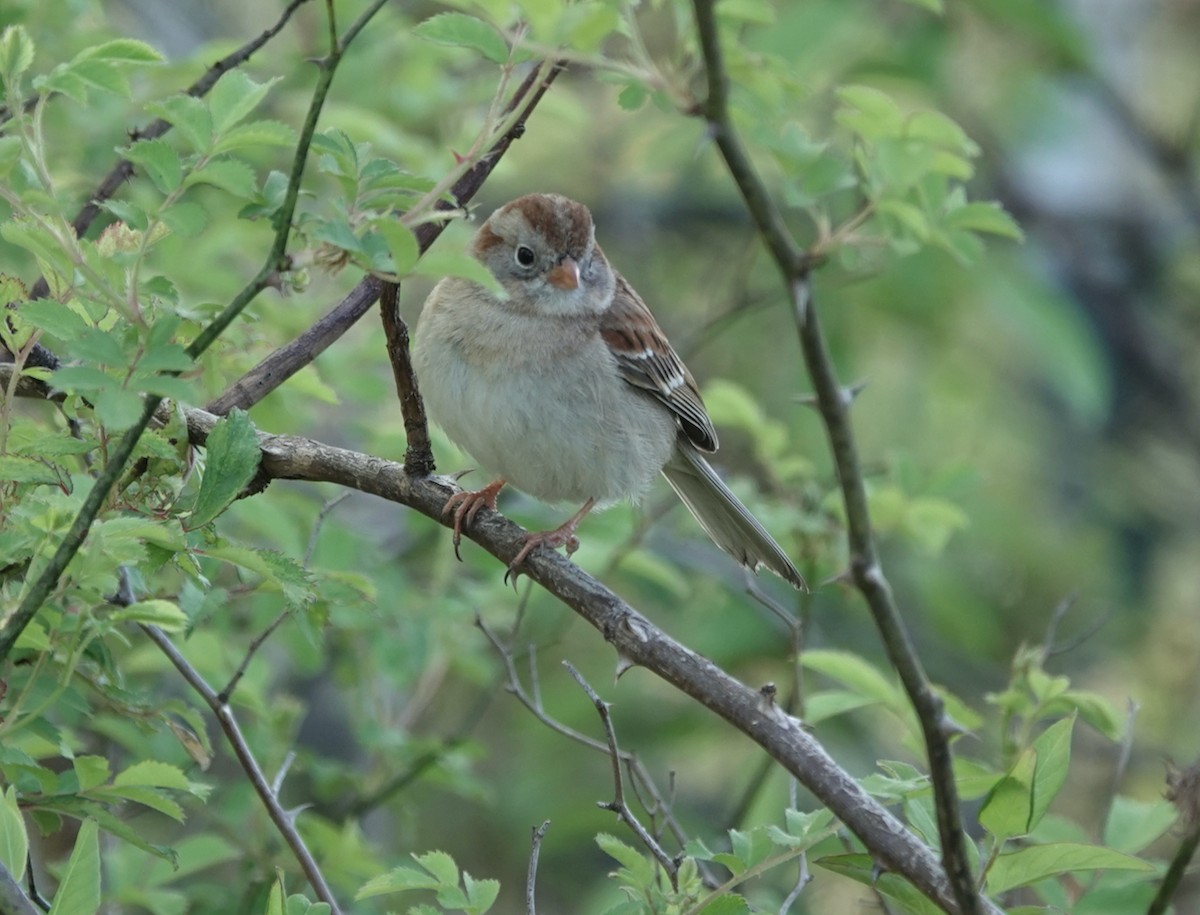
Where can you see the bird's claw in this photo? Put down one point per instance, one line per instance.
(562, 536)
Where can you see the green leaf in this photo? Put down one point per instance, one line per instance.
(154, 774)
(1037, 862)
(626, 854)
(440, 263)
(1053, 748)
(233, 97)
(90, 771)
(55, 318)
(233, 459)
(441, 865)
(14, 840)
(987, 217)
(16, 469)
(632, 97)
(397, 880)
(481, 894)
(1132, 825)
(158, 160)
(257, 133)
(1008, 810)
(188, 115)
(153, 798)
(185, 218)
(79, 890)
(117, 408)
(162, 613)
(463, 31)
(16, 54)
(122, 50)
(402, 244)
(11, 150)
(730, 904)
(231, 175)
(870, 113)
(853, 672)
(292, 578)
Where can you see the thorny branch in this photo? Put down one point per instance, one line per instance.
(833, 402)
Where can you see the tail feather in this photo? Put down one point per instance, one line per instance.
(726, 520)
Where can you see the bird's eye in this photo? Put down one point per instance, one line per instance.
(525, 256)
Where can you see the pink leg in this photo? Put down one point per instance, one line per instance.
(563, 535)
(466, 505)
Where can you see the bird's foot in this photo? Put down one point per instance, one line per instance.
(466, 505)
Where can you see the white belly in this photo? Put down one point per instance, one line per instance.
(501, 392)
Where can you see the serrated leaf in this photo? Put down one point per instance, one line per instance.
(162, 613)
(868, 112)
(481, 894)
(185, 218)
(79, 889)
(154, 774)
(16, 469)
(620, 851)
(231, 175)
(1037, 862)
(165, 357)
(292, 578)
(90, 771)
(233, 97)
(14, 840)
(729, 904)
(398, 880)
(441, 865)
(233, 456)
(463, 31)
(257, 133)
(16, 53)
(158, 160)
(154, 798)
(55, 318)
(188, 115)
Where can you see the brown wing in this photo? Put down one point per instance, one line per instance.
(647, 361)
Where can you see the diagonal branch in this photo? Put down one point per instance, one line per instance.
(833, 401)
(267, 794)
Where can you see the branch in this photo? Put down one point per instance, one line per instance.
(539, 833)
(284, 362)
(634, 637)
(418, 455)
(617, 805)
(228, 723)
(13, 900)
(833, 402)
(637, 642)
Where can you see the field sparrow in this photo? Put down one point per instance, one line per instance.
(568, 389)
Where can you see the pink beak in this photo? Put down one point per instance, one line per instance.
(565, 275)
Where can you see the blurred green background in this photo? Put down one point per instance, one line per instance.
(1030, 427)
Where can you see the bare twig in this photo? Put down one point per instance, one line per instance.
(233, 733)
(284, 362)
(324, 513)
(617, 805)
(539, 833)
(418, 455)
(834, 401)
